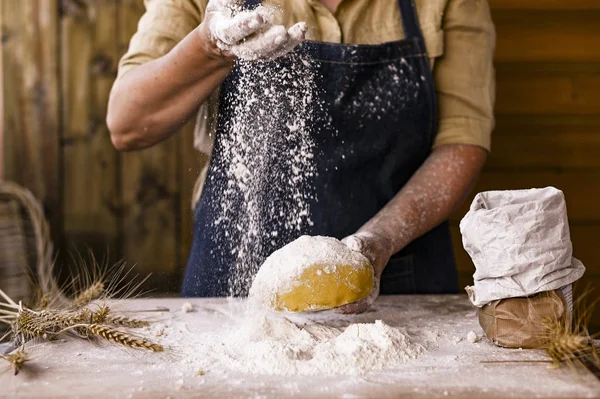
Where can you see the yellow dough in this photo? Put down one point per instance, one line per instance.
(317, 290)
(311, 274)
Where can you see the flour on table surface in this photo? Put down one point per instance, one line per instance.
(187, 307)
(193, 366)
(277, 346)
(472, 337)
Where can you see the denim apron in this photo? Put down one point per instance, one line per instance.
(380, 102)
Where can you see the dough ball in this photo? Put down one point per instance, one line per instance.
(311, 274)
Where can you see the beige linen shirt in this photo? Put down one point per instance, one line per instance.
(459, 35)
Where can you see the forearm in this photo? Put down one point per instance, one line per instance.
(434, 192)
(149, 103)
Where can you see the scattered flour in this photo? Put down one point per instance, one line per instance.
(281, 270)
(472, 337)
(277, 346)
(267, 165)
(187, 307)
(205, 340)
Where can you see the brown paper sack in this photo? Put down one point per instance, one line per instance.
(518, 322)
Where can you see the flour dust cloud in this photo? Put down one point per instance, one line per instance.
(267, 164)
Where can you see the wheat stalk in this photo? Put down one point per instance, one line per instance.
(110, 333)
(123, 321)
(53, 314)
(86, 296)
(17, 359)
(566, 341)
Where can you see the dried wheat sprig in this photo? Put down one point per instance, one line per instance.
(94, 291)
(17, 359)
(8, 299)
(128, 290)
(6, 335)
(566, 341)
(8, 313)
(111, 334)
(123, 321)
(62, 318)
(104, 316)
(101, 315)
(43, 302)
(564, 344)
(29, 325)
(8, 306)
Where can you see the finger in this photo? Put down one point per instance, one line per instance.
(232, 30)
(355, 243)
(297, 34)
(260, 46)
(268, 14)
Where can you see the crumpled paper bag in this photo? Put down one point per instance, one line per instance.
(520, 244)
(518, 322)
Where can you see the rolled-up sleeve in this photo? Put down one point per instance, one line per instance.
(164, 24)
(465, 76)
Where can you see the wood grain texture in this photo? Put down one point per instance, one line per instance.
(528, 143)
(31, 118)
(1, 97)
(88, 59)
(151, 190)
(192, 162)
(555, 5)
(543, 35)
(546, 89)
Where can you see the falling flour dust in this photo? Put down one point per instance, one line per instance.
(267, 163)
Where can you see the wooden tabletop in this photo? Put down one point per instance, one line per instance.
(451, 366)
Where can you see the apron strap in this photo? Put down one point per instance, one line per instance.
(410, 19)
(251, 4)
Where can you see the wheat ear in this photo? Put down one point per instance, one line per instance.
(112, 334)
(122, 321)
(89, 294)
(16, 359)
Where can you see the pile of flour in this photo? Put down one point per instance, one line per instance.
(270, 345)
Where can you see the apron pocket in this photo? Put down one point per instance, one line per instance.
(398, 277)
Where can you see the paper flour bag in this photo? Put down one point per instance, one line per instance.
(520, 244)
(518, 322)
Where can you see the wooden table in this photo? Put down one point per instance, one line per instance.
(451, 367)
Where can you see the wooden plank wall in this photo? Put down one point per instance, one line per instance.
(548, 115)
(60, 59)
(31, 120)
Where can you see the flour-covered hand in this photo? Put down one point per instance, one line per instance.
(378, 250)
(249, 35)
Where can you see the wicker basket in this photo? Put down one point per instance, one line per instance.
(25, 246)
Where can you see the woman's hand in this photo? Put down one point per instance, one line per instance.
(247, 34)
(149, 103)
(378, 250)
